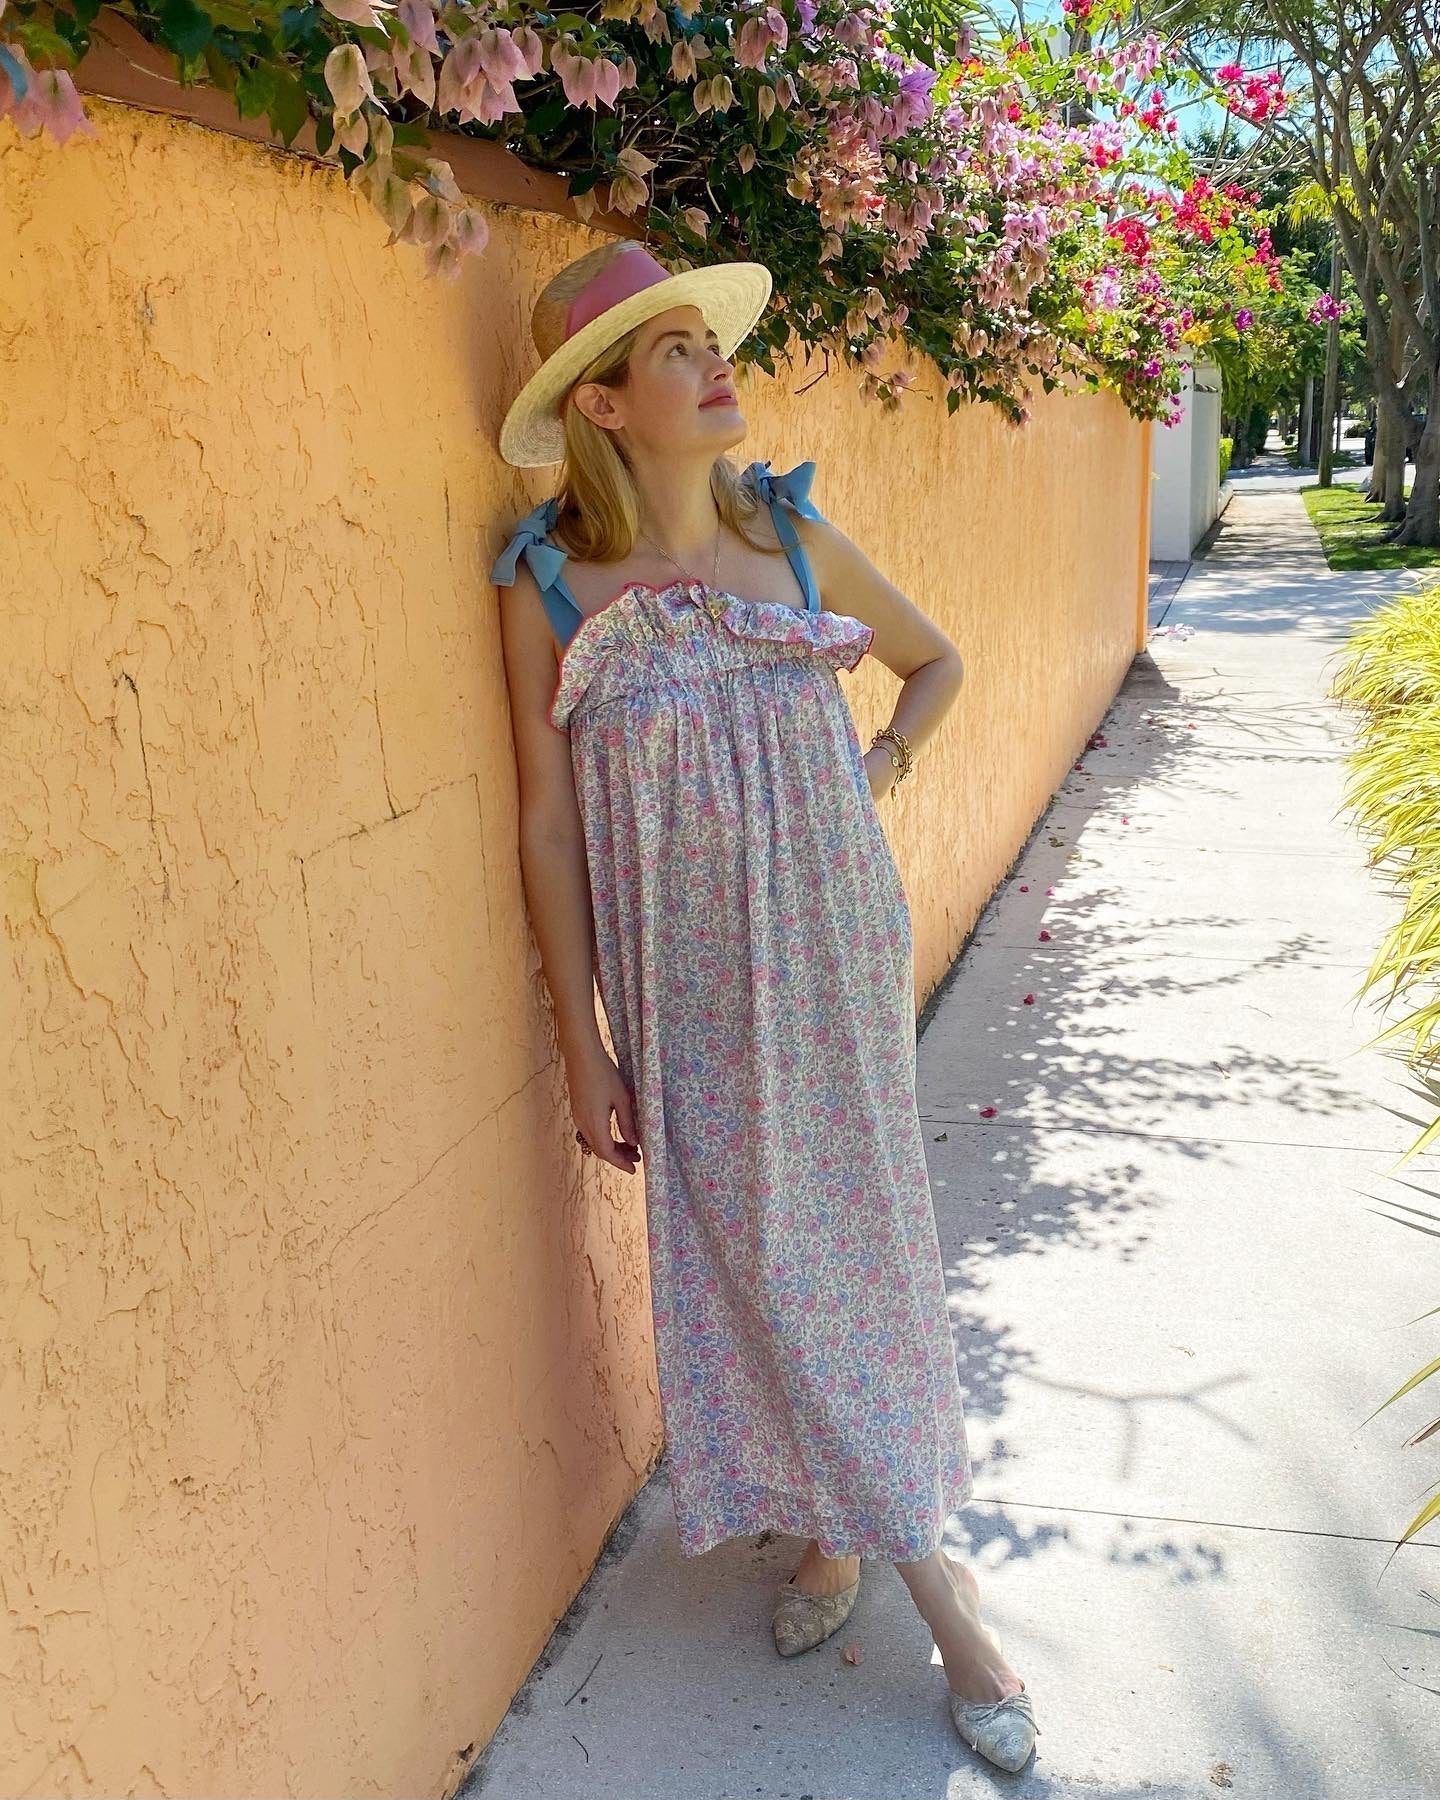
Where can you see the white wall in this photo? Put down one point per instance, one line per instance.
(1185, 460)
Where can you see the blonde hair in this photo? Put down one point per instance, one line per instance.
(598, 512)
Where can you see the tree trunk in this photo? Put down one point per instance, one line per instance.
(1387, 480)
(1332, 373)
(1391, 431)
(1388, 485)
(1304, 449)
(1422, 514)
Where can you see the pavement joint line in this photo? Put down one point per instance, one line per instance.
(1182, 1137)
(1222, 750)
(1107, 1512)
(1234, 849)
(1133, 955)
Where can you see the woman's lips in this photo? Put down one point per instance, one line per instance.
(720, 400)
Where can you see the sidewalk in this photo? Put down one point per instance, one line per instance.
(1176, 1296)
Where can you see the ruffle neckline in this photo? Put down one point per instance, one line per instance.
(837, 638)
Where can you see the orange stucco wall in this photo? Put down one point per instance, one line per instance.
(328, 1366)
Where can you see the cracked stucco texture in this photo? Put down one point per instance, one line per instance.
(327, 1366)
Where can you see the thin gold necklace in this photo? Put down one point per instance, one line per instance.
(715, 571)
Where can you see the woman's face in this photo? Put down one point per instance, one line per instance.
(681, 392)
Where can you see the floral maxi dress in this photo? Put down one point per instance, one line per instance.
(754, 956)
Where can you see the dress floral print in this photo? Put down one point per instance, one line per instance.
(753, 952)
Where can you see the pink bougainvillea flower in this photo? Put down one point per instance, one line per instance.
(758, 36)
(684, 53)
(1024, 887)
(50, 103)
(715, 95)
(987, 1112)
(470, 231)
(501, 57)
(359, 12)
(347, 78)
(1029, 1000)
(1044, 937)
(577, 75)
(419, 20)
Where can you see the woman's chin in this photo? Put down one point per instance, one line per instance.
(726, 422)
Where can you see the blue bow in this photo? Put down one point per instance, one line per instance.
(793, 486)
(545, 561)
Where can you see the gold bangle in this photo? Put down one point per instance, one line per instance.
(905, 762)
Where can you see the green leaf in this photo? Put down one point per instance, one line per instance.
(1405, 1387)
(304, 25)
(246, 18)
(40, 43)
(184, 27)
(255, 90)
(290, 107)
(546, 118)
(1430, 1510)
(223, 72)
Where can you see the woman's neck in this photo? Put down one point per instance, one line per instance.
(677, 507)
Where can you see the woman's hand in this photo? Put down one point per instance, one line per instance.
(880, 770)
(596, 1090)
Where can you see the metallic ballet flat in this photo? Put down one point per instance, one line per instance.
(802, 1620)
(1002, 1730)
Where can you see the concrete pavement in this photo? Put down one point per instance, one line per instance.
(1177, 1291)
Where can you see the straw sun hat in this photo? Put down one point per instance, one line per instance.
(598, 298)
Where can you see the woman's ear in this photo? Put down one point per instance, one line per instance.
(595, 401)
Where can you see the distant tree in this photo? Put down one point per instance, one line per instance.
(1368, 137)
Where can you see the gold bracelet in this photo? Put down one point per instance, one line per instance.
(905, 762)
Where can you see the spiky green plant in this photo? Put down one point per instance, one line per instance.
(1390, 675)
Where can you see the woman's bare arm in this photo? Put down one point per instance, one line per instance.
(907, 640)
(555, 871)
(552, 839)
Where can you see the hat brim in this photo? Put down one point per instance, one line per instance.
(732, 297)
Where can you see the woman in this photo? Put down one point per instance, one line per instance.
(700, 835)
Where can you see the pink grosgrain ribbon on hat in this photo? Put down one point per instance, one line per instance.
(629, 273)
